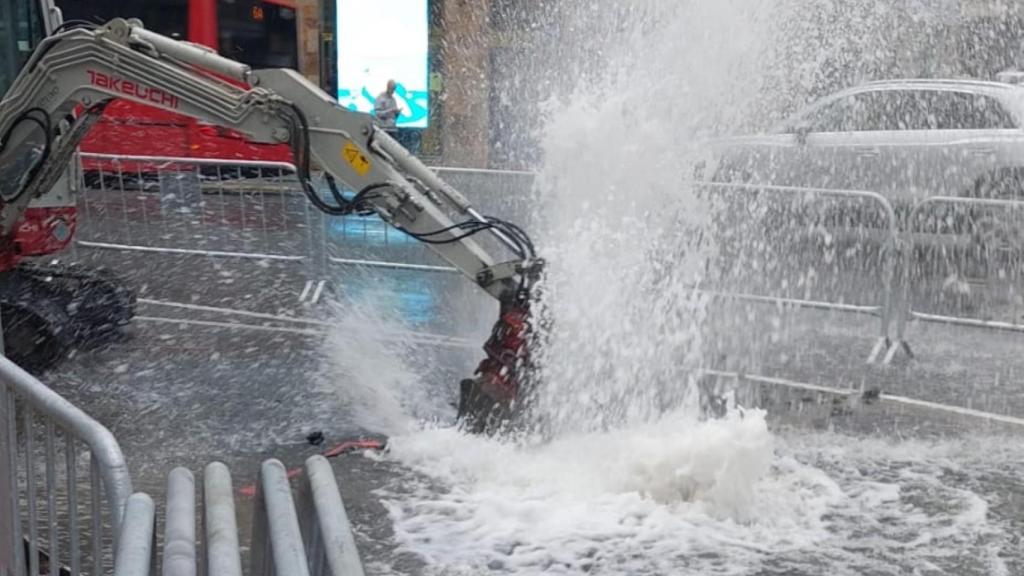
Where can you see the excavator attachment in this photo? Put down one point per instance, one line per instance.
(500, 386)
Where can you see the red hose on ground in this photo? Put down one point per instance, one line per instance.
(337, 450)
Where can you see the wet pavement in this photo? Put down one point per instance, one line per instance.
(186, 386)
(228, 361)
(189, 385)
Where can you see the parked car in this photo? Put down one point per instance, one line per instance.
(906, 139)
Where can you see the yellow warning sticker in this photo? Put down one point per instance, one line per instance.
(355, 158)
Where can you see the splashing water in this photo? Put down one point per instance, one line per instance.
(386, 373)
(619, 217)
(630, 480)
(621, 223)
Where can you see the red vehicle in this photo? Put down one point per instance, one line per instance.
(261, 33)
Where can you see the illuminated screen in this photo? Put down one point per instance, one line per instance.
(380, 40)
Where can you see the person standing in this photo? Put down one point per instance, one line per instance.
(385, 107)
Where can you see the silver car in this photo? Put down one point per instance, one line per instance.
(906, 139)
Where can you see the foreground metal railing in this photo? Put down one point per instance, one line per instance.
(313, 538)
(64, 483)
(67, 508)
(309, 538)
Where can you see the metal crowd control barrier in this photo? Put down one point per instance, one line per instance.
(330, 545)
(255, 210)
(64, 483)
(220, 208)
(244, 210)
(225, 208)
(883, 230)
(309, 538)
(53, 523)
(970, 239)
(972, 248)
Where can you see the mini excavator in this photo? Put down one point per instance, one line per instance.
(78, 68)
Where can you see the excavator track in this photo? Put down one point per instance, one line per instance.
(98, 301)
(48, 310)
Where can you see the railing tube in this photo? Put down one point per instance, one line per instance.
(222, 553)
(135, 549)
(179, 558)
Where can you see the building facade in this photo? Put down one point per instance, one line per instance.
(476, 107)
(488, 79)
(460, 82)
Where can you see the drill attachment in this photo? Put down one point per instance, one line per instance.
(496, 393)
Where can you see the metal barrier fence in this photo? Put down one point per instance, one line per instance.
(975, 247)
(310, 538)
(810, 248)
(64, 483)
(954, 260)
(255, 210)
(135, 552)
(314, 538)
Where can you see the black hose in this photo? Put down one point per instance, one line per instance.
(522, 245)
(300, 150)
(72, 24)
(47, 127)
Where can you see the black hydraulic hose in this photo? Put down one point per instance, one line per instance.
(46, 126)
(301, 150)
(71, 24)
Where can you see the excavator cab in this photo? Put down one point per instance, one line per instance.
(48, 224)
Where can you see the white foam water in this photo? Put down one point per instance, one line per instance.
(617, 217)
(723, 497)
(634, 500)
